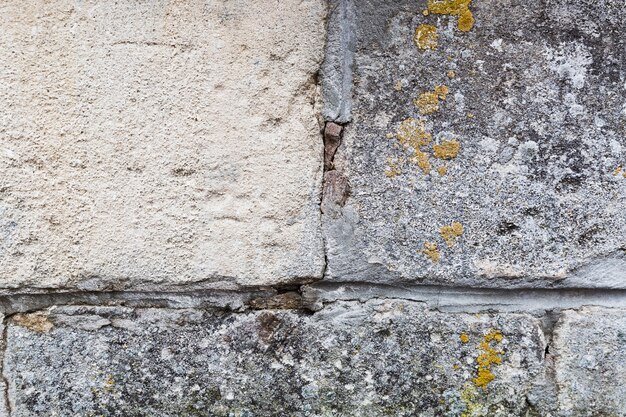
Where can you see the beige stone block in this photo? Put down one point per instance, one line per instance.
(164, 142)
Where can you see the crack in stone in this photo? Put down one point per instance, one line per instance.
(5, 380)
(468, 299)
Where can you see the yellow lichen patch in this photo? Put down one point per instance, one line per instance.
(425, 12)
(442, 91)
(468, 396)
(464, 338)
(451, 74)
(431, 250)
(389, 135)
(466, 21)
(413, 133)
(426, 37)
(442, 170)
(448, 149)
(393, 168)
(454, 8)
(485, 376)
(37, 322)
(451, 232)
(421, 160)
(398, 86)
(428, 102)
(490, 356)
(108, 383)
(617, 171)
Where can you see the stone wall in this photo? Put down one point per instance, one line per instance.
(313, 208)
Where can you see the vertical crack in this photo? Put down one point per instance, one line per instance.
(335, 188)
(5, 380)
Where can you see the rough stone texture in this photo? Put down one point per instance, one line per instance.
(537, 103)
(159, 142)
(351, 359)
(590, 345)
(163, 214)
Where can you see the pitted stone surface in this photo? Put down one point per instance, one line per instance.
(523, 183)
(351, 359)
(159, 142)
(590, 349)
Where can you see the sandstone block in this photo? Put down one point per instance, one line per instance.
(154, 144)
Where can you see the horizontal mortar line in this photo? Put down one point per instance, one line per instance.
(315, 295)
(470, 298)
(223, 299)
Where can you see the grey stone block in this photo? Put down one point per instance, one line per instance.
(507, 171)
(351, 359)
(590, 350)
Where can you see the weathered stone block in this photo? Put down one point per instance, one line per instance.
(486, 146)
(167, 143)
(590, 350)
(350, 359)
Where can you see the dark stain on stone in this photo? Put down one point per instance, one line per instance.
(287, 301)
(183, 172)
(570, 183)
(531, 211)
(268, 324)
(589, 236)
(506, 228)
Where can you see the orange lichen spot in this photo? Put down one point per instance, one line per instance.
(431, 250)
(442, 170)
(464, 338)
(448, 149)
(413, 133)
(451, 232)
(428, 102)
(458, 8)
(494, 335)
(484, 377)
(490, 356)
(451, 74)
(398, 86)
(426, 37)
(442, 91)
